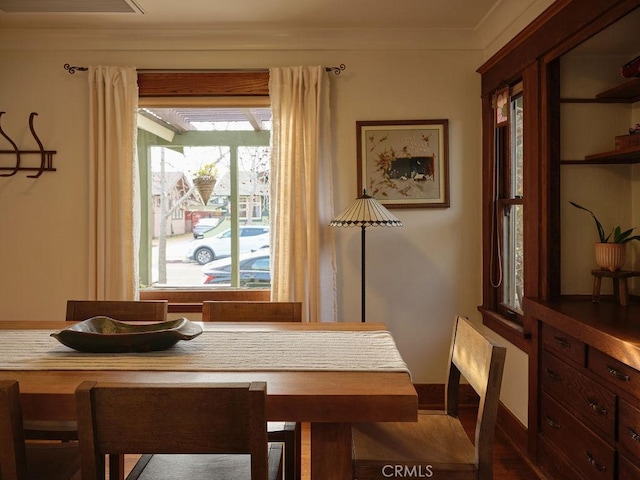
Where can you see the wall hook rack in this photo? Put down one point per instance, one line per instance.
(46, 156)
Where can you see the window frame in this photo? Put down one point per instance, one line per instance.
(200, 88)
(497, 195)
(507, 197)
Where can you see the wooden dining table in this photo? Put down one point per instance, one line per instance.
(330, 397)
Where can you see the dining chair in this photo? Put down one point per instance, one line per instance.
(77, 310)
(437, 445)
(190, 431)
(229, 311)
(123, 310)
(30, 461)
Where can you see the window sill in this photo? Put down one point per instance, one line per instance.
(182, 300)
(509, 330)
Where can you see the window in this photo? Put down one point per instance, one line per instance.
(215, 159)
(507, 222)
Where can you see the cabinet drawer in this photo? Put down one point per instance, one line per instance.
(554, 463)
(564, 345)
(629, 428)
(591, 455)
(590, 402)
(627, 470)
(614, 371)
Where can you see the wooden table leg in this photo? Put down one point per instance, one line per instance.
(116, 465)
(331, 451)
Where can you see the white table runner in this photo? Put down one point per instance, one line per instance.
(215, 351)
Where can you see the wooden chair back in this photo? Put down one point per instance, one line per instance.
(119, 418)
(481, 362)
(251, 311)
(13, 460)
(123, 310)
(53, 461)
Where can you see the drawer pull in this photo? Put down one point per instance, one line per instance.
(552, 423)
(562, 341)
(595, 464)
(597, 408)
(632, 433)
(553, 375)
(619, 375)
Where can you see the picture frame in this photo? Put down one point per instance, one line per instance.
(502, 107)
(404, 163)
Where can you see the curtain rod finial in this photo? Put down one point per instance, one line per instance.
(336, 70)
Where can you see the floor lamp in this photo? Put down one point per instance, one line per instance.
(365, 212)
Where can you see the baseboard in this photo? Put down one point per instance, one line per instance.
(513, 429)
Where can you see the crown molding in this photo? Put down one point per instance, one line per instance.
(239, 39)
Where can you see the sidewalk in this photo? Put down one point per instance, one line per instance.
(176, 247)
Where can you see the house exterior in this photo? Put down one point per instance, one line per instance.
(180, 196)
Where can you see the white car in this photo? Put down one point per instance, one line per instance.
(205, 250)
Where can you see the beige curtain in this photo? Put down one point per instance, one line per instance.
(113, 183)
(302, 247)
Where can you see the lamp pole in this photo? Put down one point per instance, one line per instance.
(363, 276)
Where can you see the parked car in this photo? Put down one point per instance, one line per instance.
(204, 225)
(255, 270)
(205, 250)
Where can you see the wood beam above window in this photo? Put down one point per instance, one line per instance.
(202, 84)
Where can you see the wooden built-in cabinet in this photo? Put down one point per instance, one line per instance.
(584, 357)
(589, 395)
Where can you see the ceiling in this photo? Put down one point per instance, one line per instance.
(441, 14)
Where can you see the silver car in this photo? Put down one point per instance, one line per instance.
(205, 250)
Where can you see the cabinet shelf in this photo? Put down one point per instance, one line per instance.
(616, 157)
(628, 92)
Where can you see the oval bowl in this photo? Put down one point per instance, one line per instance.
(106, 335)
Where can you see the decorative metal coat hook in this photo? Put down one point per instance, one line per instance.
(46, 156)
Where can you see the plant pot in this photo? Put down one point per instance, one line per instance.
(204, 185)
(610, 256)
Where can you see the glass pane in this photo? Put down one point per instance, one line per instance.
(517, 146)
(197, 236)
(513, 257)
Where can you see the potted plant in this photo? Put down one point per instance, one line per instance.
(204, 180)
(611, 250)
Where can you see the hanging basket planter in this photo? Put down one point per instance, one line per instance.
(205, 185)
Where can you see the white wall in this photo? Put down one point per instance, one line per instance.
(418, 277)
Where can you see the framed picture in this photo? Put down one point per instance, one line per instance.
(404, 163)
(502, 107)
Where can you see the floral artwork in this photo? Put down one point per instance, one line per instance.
(404, 164)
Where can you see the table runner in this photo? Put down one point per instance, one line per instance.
(215, 351)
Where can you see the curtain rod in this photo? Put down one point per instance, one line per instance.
(72, 69)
